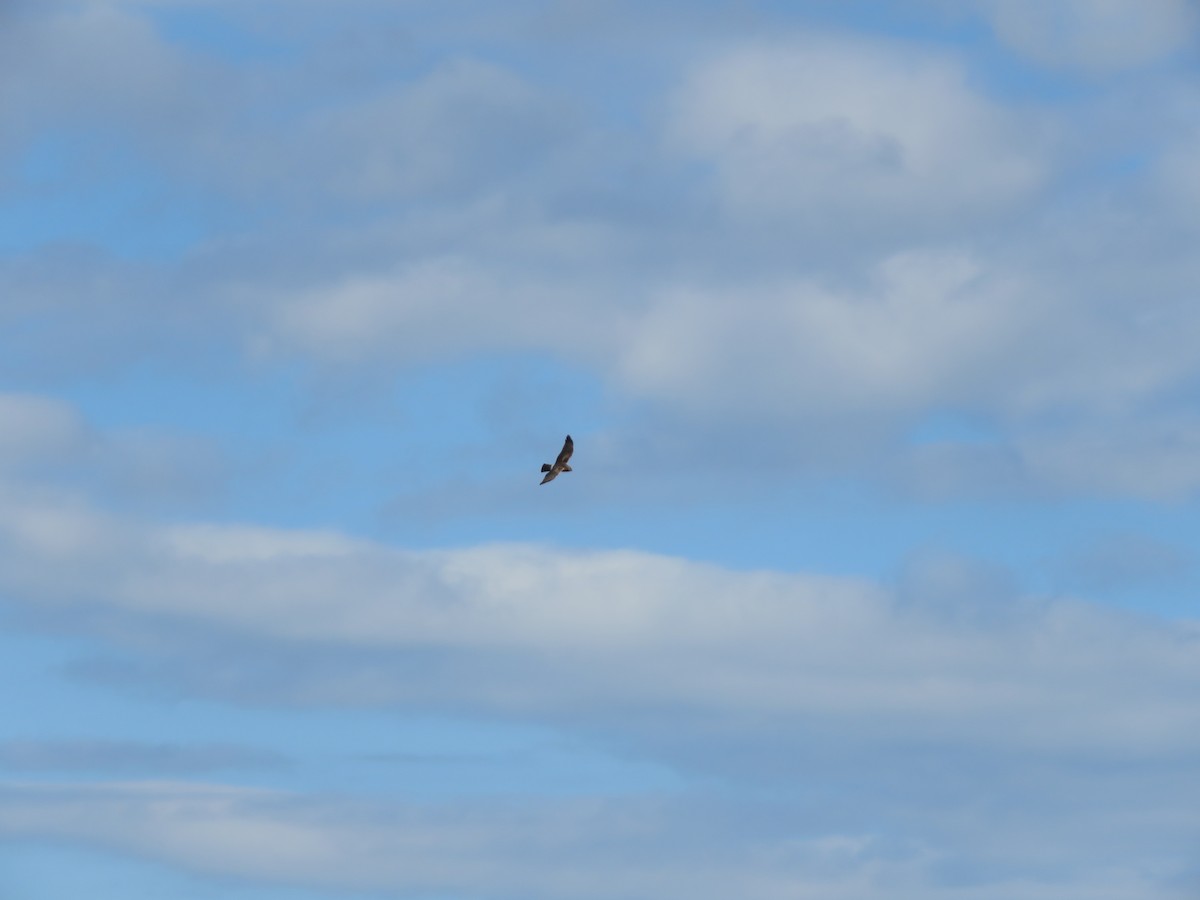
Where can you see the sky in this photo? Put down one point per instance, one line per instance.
(877, 329)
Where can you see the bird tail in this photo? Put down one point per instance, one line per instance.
(545, 467)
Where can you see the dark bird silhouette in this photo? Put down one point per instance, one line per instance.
(560, 464)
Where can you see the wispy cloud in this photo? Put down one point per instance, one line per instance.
(131, 757)
(1094, 37)
(526, 630)
(575, 849)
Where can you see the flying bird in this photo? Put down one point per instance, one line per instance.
(560, 464)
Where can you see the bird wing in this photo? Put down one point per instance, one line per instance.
(551, 475)
(565, 453)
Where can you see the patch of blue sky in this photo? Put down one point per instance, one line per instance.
(942, 426)
(33, 870)
(30, 660)
(312, 448)
(70, 187)
(1127, 165)
(214, 32)
(1006, 77)
(1035, 547)
(337, 750)
(538, 763)
(223, 404)
(440, 457)
(447, 455)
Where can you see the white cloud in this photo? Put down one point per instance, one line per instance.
(1124, 561)
(574, 849)
(1094, 35)
(35, 429)
(513, 628)
(459, 129)
(432, 309)
(92, 65)
(1157, 457)
(184, 824)
(42, 435)
(1176, 168)
(839, 134)
(926, 330)
(199, 121)
(1149, 456)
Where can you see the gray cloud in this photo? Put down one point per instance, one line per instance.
(533, 631)
(1094, 36)
(1122, 562)
(576, 849)
(841, 134)
(44, 439)
(35, 428)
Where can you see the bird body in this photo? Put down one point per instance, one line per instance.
(560, 464)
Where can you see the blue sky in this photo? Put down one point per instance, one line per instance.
(876, 328)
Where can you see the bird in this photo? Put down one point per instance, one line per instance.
(560, 464)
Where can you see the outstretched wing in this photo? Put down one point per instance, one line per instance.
(560, 464)
(565, 454)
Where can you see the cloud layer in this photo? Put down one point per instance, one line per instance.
(526, 630)
(810, 223)
(289, 300)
